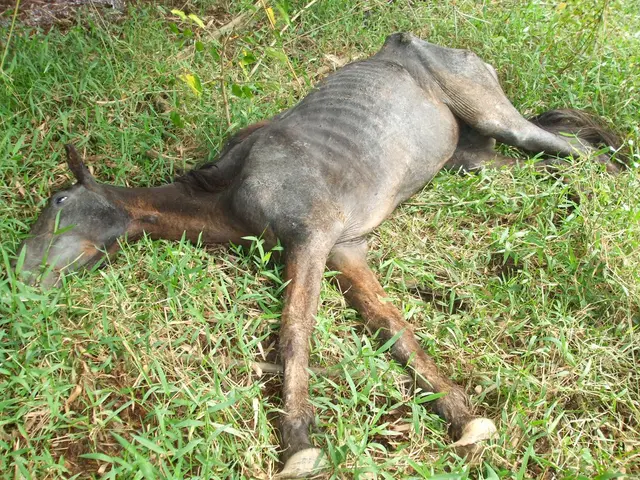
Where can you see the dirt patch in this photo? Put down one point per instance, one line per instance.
(45, 13)
(505, 268)
(71, 448)
(445, 301)
(399, 423)
(77, 441)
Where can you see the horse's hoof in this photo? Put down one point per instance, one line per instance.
(470, 444)
(304, 464)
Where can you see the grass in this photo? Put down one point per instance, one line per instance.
(528, 289)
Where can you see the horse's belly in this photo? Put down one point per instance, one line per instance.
(408, 163)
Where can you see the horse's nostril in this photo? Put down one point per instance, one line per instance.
(49, 280)
(46, 280)
(28, 277)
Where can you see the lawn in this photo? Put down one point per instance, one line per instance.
(524, 288)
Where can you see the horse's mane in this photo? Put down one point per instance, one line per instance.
(218, 174)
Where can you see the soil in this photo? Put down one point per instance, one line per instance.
(45, 13)
(65, 13)
(71, 445)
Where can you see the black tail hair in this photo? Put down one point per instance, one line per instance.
(587, 128)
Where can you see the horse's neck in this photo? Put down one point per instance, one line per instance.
(173, 211)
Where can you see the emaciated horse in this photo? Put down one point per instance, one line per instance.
(319, 177)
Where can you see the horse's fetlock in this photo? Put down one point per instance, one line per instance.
(294, 431)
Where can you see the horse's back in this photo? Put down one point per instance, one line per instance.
(363, 141)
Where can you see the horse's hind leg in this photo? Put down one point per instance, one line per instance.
(506, 125)
(476, 151)
(470, 89)
(364, 292)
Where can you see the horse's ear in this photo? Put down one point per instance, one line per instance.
(76, 165)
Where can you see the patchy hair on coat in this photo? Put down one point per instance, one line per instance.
(217, 175)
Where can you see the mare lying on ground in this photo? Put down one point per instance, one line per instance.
(319, 177)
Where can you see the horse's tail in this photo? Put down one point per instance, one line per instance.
(588, 129)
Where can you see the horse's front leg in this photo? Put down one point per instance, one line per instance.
(363, 291)
(304, 267)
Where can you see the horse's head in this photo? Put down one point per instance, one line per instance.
(77, 228)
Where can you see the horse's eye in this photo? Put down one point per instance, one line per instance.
(59, 200)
